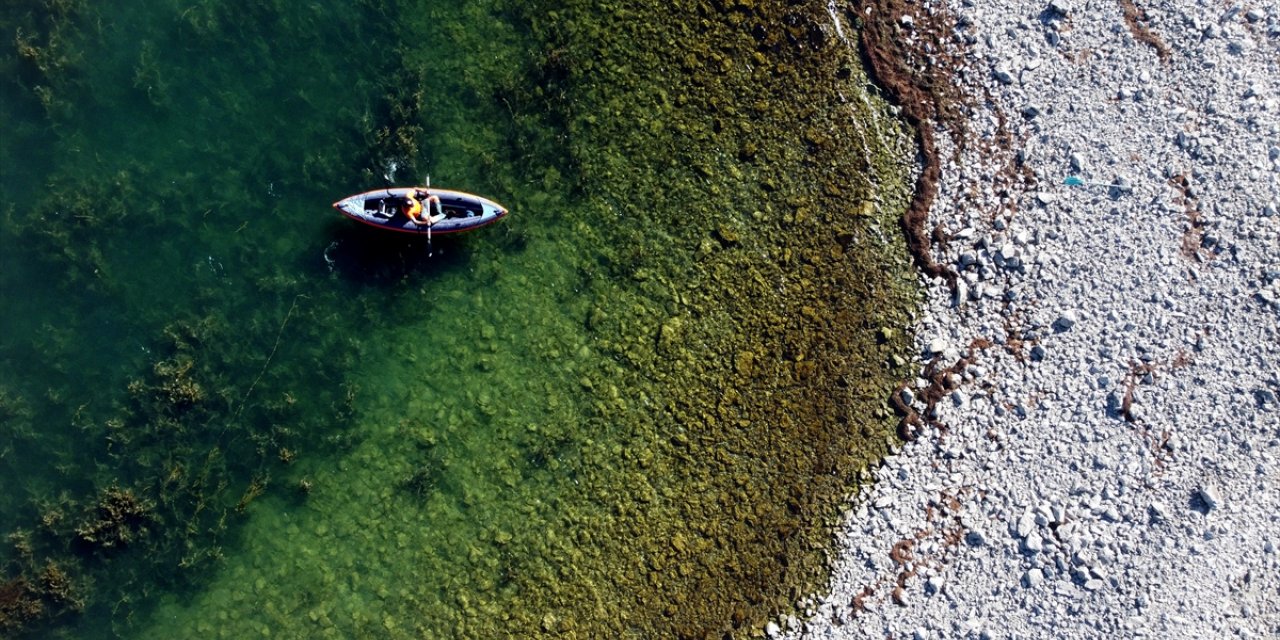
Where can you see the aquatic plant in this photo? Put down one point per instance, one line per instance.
(23, 602)
(37, 591)
(148, 79)
(118, 519)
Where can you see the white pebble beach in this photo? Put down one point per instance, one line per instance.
(1104, 460)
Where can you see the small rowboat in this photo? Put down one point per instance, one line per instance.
(385, 209)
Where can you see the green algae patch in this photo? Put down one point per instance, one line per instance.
(633, 408)
(754, 191)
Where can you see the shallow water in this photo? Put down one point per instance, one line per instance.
(630, 408)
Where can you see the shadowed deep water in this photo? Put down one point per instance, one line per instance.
(630, 408)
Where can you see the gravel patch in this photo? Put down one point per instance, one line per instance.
(1103, 458)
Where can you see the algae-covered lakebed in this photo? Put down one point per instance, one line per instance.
(633, 408)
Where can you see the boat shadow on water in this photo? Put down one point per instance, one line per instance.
(371, 257)
(365, 256)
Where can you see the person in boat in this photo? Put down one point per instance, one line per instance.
(415, 208)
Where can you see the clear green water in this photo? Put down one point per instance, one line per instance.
(629, 409)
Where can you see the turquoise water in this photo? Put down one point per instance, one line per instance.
(628, 409)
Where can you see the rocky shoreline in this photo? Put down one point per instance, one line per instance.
(1096, 454)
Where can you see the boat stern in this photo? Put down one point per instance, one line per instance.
(352, 206)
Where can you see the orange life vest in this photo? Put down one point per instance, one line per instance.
(415, 208)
